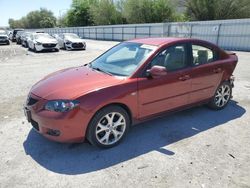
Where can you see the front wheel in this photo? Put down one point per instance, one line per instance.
(108, 127)
(221, 97)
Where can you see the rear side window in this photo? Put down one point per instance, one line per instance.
(202, 55)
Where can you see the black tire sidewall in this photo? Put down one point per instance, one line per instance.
(93, 123)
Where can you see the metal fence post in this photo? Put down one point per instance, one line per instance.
(191, 30)
(103, 33)
(122, 33)
(95, 33)
(218, 34)
(112, 29)
(135, 31)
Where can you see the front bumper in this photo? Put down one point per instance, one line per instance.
(75, 46)
(232, 78)
(47, 46)
(4, 41)
(69, 127)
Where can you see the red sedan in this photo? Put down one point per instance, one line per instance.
(130, 83)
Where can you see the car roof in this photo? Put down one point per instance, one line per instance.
(161, 41)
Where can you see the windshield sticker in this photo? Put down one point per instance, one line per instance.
(146, 46)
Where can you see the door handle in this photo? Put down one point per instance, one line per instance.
(184, 78)
(218, 70)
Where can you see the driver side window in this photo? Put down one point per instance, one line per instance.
(173, 58)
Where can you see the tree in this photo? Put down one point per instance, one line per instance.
(79, 13)
(62, 21)
(104, 12)
(217, 9)
(148, 11)
(42, 18)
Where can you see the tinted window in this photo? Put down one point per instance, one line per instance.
(202, 55)
(173, 58)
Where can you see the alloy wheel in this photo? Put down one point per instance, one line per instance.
(110, 128)
(222, 95)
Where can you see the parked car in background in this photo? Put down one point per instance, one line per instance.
(12, 35)
(42, 41)
(24, 39)
(130, 83)
(4, 39)
(18, 37)
(70, 41)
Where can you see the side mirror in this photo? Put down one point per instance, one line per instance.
(157, 71)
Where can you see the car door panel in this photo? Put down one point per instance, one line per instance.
(205, 79)
(165, 93)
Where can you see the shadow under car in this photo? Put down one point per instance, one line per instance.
(143, 138)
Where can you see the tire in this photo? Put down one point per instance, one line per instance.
(34, 49)
(221, 97)
(103, 131)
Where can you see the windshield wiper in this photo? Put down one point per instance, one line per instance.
(101, 70)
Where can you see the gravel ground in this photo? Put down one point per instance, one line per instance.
(193, 148)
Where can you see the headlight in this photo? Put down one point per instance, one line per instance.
(61, 105)
(68, 42)
(38, 43)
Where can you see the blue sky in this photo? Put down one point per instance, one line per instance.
(18, 8)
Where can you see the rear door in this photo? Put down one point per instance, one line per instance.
(207, 72)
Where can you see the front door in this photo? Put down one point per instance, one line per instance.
(156, 95)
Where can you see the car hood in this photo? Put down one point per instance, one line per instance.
(73, 39)
(3, 35)
(73, 82)
(45, 40)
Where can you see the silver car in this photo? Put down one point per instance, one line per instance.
(70, 41)
(4, 39)
(24, 38)
(41, 42)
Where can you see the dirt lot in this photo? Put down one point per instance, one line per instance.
(193, 148)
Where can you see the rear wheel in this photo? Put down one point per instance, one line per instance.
(108, 127)
(221, 97)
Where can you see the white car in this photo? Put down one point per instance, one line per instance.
(70, 41)
(42, 41)
(4, 39)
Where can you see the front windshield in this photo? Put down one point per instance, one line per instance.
(71, 35)
(42, 35)
(123, 59)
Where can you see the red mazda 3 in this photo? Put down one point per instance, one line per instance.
(130, 83)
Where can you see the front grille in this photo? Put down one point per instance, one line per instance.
(31, 101)
(3, 38)
(49, 45)
(34, 124)
(77, 45)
